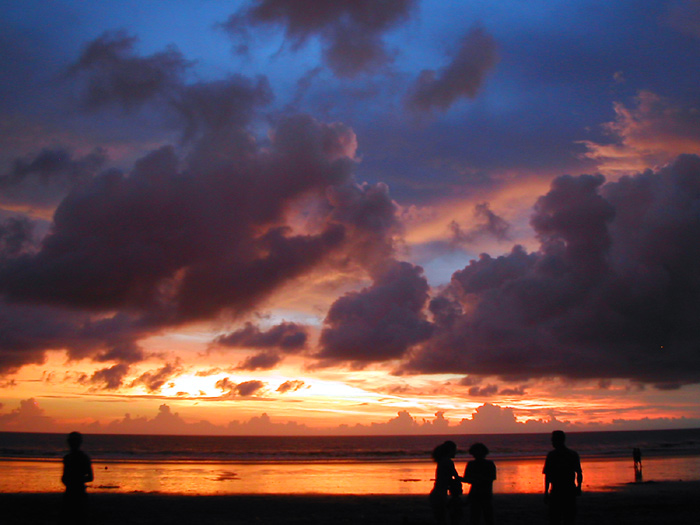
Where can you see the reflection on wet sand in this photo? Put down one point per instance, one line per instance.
(514, 476)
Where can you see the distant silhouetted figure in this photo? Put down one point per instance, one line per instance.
(562, 481)
(445, 496)
(77, 471)
(637, 456)
(480, 473)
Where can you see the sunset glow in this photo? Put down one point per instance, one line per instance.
(232, 219)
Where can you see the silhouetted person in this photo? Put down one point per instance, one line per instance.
(480, 473)
(77, 471)
(562, 481)
(637, 456)
(445, 496)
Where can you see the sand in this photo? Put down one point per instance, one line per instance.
(639, 504)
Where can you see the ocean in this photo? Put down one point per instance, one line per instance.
(31, 462)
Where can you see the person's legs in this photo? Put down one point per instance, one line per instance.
(488, 512)
(475, 511)
(554, 511)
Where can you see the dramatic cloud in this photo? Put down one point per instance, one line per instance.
(43, 180)
(185, 237)
(114, 74)
(648, 135)
(461, 78)
(290, 386)
(109, 378)
(488, 224)
(351, 31)
(186, 244)
(245, 389)
(27, 331)
(261, 361)
(371, 219)
(154, 380)
(289, 337)
(284, 338)
(380, 322)
(486, 391)
(611, 293)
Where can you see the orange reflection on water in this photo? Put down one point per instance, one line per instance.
(514, 476)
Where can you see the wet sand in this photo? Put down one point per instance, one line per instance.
(645, 503)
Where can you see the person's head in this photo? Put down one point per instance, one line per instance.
(558, 438)
(448, 449)
(75, 439)
(479, 450)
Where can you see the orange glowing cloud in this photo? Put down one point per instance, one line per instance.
(650, 134)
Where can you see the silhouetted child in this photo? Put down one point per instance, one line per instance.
(562, 481)
(77, 471)
(445, 496)
(480, 473)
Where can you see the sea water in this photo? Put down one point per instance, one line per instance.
(333, 465)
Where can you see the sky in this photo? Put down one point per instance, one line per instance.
(351, 217)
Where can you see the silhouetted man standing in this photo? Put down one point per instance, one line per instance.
(562, 481)
(77, 471)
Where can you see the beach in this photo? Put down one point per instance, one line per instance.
(639, 504)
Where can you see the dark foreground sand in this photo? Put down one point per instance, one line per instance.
(664, 502)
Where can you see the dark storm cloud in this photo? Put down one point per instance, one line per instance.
(371, 219)
(461, 78)
(28, 330)
(46, 178)
(351, 31)
(114, 74)
(289, 337)
(179, 237)
(379, 322)
(121, 239)
(611, 293)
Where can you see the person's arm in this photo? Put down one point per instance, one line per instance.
(455, 474)
(89, 474)
(579, 475)
(467, 474)
(64, 479)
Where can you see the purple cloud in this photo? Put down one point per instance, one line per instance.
(350, 30)
(461, 78)
(489, 224)
(44, 179)
(611, 293)
(380, 322)
(289, 337)
(114, 74)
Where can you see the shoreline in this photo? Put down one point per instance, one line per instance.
(642, 503)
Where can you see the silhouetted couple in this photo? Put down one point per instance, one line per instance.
(480, 473)
(77, 471)
(562, 481)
